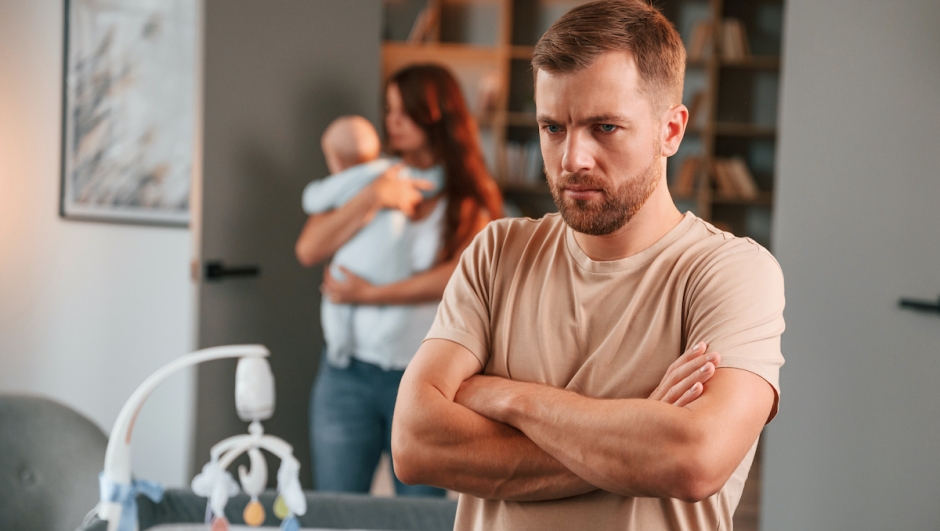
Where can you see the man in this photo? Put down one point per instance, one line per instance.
(574, 319)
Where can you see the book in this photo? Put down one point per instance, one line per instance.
(422, 29)
(700, 46)
(724, 182)
(684, 184)
(743, 180)
(733, 180)
(733, 40)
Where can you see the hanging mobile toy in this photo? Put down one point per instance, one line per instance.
(254, 399)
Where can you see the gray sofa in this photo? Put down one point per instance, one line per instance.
(50, 457)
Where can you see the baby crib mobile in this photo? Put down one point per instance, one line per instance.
(254, 400)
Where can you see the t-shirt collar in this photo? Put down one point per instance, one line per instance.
(631, 262)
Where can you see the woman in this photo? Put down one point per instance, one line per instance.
(426, 123)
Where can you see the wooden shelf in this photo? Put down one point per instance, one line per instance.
(521, 52)
(439, 52)
(744, 129)
(757, 62)
(763, 199)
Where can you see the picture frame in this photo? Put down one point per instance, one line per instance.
(128, 110)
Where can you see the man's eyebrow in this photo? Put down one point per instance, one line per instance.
(605, 118)
(545, 119)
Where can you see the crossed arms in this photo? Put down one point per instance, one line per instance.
(501, 439)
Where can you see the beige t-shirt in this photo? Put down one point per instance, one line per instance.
(532, 306)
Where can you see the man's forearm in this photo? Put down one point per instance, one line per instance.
(634, 447)
(438, 442)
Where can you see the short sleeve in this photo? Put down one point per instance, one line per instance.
(464, 313)
(736, 307)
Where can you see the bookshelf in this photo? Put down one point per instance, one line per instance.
(732, 77)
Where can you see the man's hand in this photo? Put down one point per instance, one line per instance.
(353, 289)
(684, 380)
(683, 383)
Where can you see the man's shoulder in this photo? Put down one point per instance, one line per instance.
(713, 251)
(507, 239)
(707, 239)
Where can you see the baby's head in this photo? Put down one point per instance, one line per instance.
(349, 140)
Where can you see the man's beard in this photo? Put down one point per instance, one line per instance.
(617, 207)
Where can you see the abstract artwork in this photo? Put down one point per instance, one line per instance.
(129, 110)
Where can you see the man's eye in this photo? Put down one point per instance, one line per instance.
(608, 128)
(552, 128)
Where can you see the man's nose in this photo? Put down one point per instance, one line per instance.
(579, 153)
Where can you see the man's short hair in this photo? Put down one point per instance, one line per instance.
(589, 30)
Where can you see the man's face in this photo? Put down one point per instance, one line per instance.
(600, 142)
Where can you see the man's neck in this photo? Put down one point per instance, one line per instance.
(657, 217)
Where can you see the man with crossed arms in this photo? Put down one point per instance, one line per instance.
(539, 392)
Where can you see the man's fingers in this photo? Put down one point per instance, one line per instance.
(696, 373)
(683, 371)
(696, 350)
(689, 396)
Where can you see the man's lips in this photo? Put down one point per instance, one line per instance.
(582, 192)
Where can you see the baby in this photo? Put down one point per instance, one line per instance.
(382, 251)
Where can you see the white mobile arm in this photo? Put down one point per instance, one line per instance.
(117, 459)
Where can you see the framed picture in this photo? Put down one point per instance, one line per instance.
(129, 110)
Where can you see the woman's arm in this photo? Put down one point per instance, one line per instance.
(427, 286)
(323, 234)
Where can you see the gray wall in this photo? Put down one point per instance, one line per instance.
(276, 73)
(857, 442)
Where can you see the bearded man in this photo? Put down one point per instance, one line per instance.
(538, 392)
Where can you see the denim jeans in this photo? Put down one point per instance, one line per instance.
(351, 425)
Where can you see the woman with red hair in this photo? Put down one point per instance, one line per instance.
(426, 124)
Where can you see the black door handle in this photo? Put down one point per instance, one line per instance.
(216, 271)
(920, 305)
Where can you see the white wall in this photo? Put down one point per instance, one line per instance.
(87, 310)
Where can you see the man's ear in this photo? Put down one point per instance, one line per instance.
(674, 120)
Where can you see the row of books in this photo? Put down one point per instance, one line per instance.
(729, 35)
(524, 165)
(732, 178)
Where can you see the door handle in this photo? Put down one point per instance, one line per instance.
(216, 271)
(920, 305)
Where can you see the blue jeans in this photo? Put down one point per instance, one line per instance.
(351, 425)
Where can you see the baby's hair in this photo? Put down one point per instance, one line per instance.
(350, 140)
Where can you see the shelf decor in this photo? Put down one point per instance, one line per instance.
(128, 110)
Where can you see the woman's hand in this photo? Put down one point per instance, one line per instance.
(684, 379)
(391, 191)
(353, 289)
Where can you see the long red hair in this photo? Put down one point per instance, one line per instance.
(432, 99)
